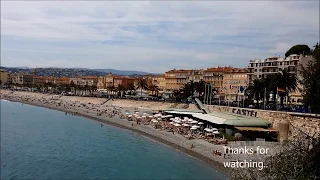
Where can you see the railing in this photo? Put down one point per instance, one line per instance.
(253, 143)
(201, 106)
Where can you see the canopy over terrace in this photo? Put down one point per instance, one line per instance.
(182, 111)
(233, 120)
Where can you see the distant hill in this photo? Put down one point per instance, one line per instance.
(122, 72)
(71, 72)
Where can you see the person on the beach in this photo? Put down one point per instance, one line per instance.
(192, 146)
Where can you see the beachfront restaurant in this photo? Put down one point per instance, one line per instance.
(250, 128)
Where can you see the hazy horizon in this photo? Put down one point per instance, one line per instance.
(152, 36)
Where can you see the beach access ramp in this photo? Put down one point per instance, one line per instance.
(201, 106)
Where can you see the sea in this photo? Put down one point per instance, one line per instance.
(41, 143)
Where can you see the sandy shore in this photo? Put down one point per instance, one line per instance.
(111, 112)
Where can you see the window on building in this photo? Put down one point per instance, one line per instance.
(255, 70)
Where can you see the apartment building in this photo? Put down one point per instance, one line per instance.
(114, 80)
(122, 80)
(264, 67)
(234, 84)
(39, 80)
(215, 76)
(159, 81)
(3, 77)
(175, 79)
(62, 80)
(22, 79)
(101, 82)
(195, 75)
(84, 80)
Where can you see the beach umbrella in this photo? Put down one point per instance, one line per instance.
(171, 119)
(159, 119)
(215, 132)
(206, 129)
(130, 115)
(209, 134)
(171, 122)
(127, 113)
(155, 121)
(186, 125)
(150, 116)
(195, 127)
(177, 125)
(163, 116)
(183, 120)
(200, 123)
(177, 121)
(169, 116)
(144, 116)
(194, 122)
(215, 129)
(144, 113)
(209, 130)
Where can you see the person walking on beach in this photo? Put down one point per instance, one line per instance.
(192, 146)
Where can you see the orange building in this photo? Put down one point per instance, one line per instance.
(113, 80)
(234, 82)
(175, 79)
(159, 81)
(84, 80)
(215, 76)
(62, 80)
(39, 80)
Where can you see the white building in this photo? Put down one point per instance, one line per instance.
(264, 67)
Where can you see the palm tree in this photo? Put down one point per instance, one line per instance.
(153, 88)
(287, 81)
(73, 86)
(142, 84)
(120, 89)
(86, 88)
(93, 88)
(254, 90)
(130, 87)
(200, 88)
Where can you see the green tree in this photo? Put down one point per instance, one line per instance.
(130, 87)
(298, 49)
(142, 84)
(311, 82)
(154, 89)
(296, 159)
(73, 85)
(287, 81)
(255, 89)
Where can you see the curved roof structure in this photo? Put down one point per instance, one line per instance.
(223, 118)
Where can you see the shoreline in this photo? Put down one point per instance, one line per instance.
(215, 165)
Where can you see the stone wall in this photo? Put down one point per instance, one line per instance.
(298, 122)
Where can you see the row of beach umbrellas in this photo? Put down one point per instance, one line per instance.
(176, 121)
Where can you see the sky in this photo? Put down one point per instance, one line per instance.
(153, 36)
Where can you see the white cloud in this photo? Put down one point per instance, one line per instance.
(185, 34)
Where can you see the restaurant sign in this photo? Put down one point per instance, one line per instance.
(244, 112)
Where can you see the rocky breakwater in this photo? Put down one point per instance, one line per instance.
(289, 124)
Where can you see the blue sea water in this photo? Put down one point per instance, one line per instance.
(39, 143)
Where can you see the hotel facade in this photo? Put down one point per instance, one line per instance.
(262, 68)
